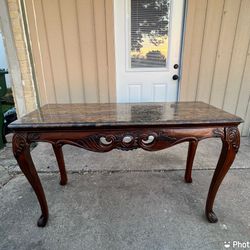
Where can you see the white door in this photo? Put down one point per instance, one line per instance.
(148, 37)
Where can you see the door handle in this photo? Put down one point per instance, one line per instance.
(175, 77)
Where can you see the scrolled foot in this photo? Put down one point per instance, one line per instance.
(212, 218)
(42, 221)
(188, 180)
(63, 182)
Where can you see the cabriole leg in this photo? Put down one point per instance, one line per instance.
(60, 160)
(231, 143)
(21, 150)
(190, 160)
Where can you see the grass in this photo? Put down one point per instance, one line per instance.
(6, 107)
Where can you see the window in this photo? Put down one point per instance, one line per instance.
(149, 25)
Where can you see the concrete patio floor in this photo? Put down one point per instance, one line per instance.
(125, 200)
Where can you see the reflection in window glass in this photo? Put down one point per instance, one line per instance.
(149, 33)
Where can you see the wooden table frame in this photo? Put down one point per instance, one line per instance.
(104, 139)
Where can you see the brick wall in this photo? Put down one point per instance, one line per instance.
(23, 55)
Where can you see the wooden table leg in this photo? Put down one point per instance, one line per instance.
(231, 143)
(60, 160)
(21, 150)
(190, 160)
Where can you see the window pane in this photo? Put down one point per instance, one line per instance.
(149, 33)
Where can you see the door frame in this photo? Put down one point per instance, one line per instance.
(184, 27)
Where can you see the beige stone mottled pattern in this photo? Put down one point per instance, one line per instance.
(64, 115)
(22, 54)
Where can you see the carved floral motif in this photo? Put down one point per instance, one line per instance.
(122, 141)
(149, 140)
(229, 135)
(233, 137)
(19, 144)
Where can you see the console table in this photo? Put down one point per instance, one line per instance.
(103, 127)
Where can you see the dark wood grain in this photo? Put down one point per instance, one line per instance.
(230, 145)
(60, 161)
(21, 150)
(190, 160)
(102, 128)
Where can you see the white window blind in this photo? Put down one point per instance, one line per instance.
(149, 33)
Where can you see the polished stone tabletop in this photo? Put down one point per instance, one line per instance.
(108, 115)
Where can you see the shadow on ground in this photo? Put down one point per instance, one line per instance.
(134, 209)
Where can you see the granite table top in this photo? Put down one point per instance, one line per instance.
(130, 114)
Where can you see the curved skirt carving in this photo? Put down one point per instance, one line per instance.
(151, 141)
(106, 140)
(104, 143)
